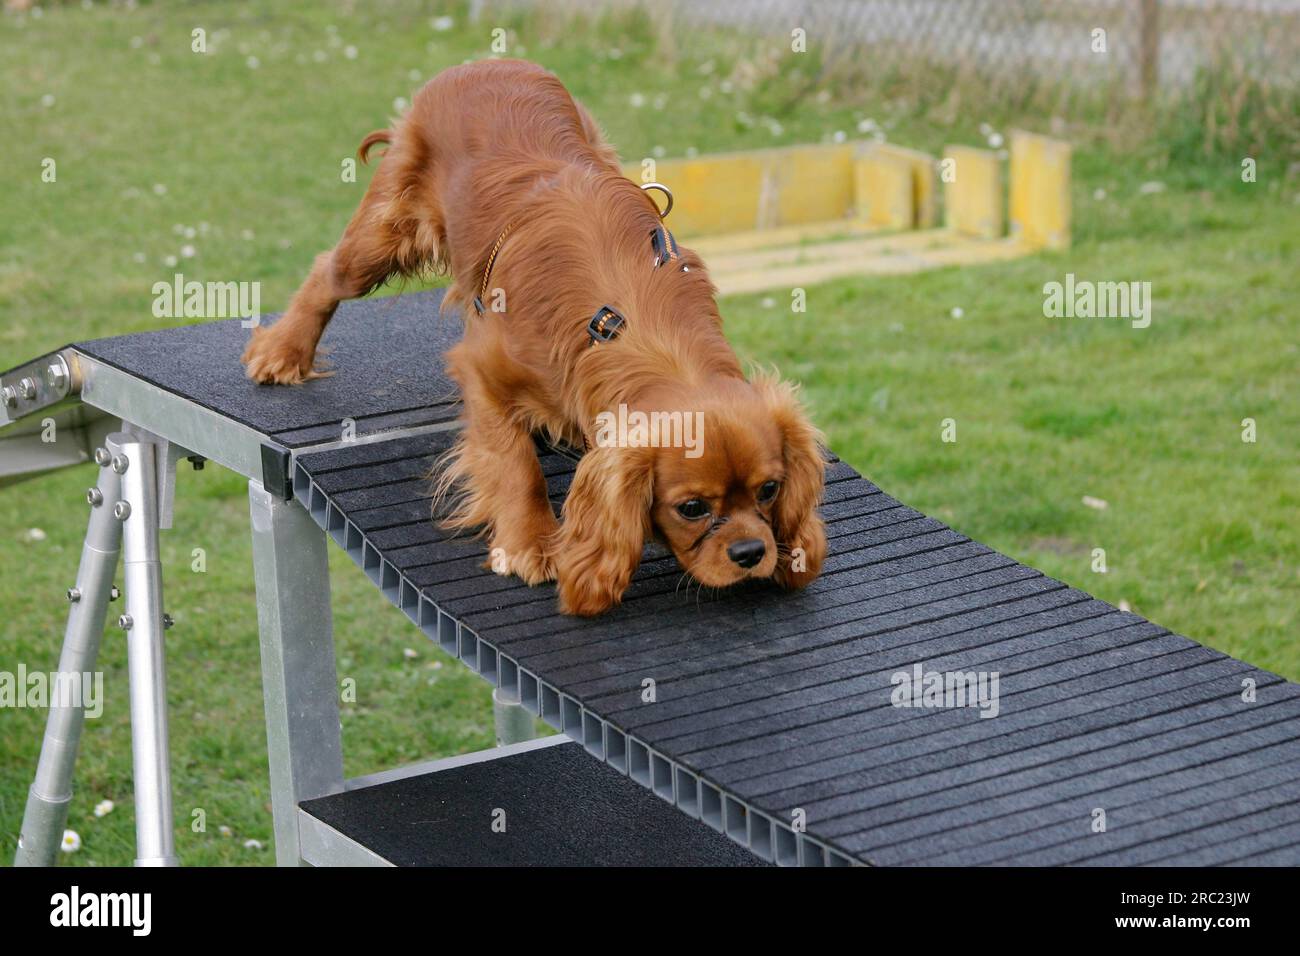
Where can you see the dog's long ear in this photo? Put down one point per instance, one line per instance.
(800, 534)
(606, 522)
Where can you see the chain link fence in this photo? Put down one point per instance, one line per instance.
(1233, 66)
(1148, 45)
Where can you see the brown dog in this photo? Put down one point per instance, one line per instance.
(580, 312)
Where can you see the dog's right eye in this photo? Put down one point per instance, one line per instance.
(693, 510)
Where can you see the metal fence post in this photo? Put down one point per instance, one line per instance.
(1149, 49)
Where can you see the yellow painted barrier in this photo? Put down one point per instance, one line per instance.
(1040, 191)
(711, 194)
(973, 191)
(760, 189)
(884, 190)
(790, 216)
(812, 184)
(922, 198)
(731, 243)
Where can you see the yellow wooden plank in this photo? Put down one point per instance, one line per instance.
(758, 189)
(1040, 190)
(812, 183)
(910, 241)
(973, 191)
(884, 190)
(840, 260)
(732, 242)
(970, 252)
(956, 250)
(922, 166)
(711, 193)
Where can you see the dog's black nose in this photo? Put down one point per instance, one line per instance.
(747, 553)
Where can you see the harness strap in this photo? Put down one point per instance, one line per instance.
(487, 270)
(664, 246)
(604, 326)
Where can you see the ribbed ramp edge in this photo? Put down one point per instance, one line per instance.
(766, 837)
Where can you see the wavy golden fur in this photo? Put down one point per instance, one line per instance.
(501, 143)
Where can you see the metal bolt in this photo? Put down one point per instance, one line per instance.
(197, 461)
(74, 595)
(11, 396)
(119, 463)
(27, 388)
(167, 622)
(95, 497)
(121, 511)
(56, 376)
(125, 622)
(102, 457)
(114, 593)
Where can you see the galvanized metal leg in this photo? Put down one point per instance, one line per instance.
(51, 792)
(144, 623)
(514, 724)
(299, 682)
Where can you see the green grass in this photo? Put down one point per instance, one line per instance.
(1200, 533)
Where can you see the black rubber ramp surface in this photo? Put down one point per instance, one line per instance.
(559, 808)
(386, 354)
(783, 700)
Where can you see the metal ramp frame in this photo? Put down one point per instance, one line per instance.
(773, 723)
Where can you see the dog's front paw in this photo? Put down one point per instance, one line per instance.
(587, 596)
(532, 565)
(801, 560)
(278, 359)
(590, 584)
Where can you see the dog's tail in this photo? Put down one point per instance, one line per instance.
(384, 136)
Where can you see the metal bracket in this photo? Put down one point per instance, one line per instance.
(39, 384)
(166, 455)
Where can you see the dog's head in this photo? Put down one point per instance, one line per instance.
(729, 477)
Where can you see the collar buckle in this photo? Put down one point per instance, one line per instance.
(605, 324)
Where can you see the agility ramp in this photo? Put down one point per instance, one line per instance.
(773, 722)
(797, 215)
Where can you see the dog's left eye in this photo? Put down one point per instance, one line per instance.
(693, 510)
(767, 491)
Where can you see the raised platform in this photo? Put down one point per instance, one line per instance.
(389, 372)
(545, 803)
(773, 722)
